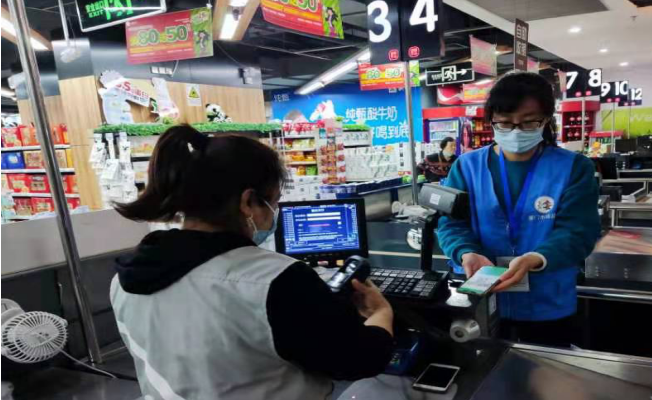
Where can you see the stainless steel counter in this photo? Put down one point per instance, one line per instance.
(602, 293)
(530, 373)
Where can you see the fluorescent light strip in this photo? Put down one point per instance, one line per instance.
(229, 27)
(329, 76)
(9, 28)
(310, 88)
(8, 93)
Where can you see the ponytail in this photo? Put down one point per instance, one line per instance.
(204, 177)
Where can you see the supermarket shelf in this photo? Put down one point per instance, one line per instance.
(20, 218)
(140, 155)
(300, 137)
(484, 131)
(577, 126)
(297, 150)
(20, 148)
(35, 171)
(303, 163)
(70, 196)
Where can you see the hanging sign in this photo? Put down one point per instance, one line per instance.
(114, 81)
(532, 65)
(386, 76)
(456, 73)
(175, 36)
(193, 95)
(483, 57)
(476, 92)
(317, 17)
(403, 30)
(98, 14)
(635, 98)
(583, 83)
(521, 30)
(614, 92)
(165, 104)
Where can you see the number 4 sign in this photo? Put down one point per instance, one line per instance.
(404, 30)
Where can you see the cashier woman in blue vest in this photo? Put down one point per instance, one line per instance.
(533, 211)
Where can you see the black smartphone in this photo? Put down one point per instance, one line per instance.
(436, 378)
(355, 267)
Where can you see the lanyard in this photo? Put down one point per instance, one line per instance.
(514, 213)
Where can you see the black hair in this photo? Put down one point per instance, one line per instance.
(204, 177)
(511, 90)
(444, 142)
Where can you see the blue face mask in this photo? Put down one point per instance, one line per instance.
(261, 235)
(518, 141)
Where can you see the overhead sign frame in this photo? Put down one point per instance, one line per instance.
(450, 74)
(88, 5)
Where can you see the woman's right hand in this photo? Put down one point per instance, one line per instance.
(368, 299)
(472, 262)
(372, 305)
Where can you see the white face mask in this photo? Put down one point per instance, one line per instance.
(261, 235)
(448, 154)
(518, 141)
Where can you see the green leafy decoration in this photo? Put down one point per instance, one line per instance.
(208, 127)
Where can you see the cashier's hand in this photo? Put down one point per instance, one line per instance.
(368, 299)
(472, 262)
(517, 270)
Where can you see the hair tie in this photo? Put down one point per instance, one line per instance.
(199, 142)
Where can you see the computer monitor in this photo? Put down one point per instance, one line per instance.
(322, 230)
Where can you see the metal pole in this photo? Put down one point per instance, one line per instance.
(33, 81)
(629, 122)
(613, 127)
(583, 124)
(412, 143)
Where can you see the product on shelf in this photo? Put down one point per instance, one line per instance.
(70, 184)
(38, 183)
(5, 183)
(73, 203)
(18, 183)
(11, 137)
(62, 158)
(13, 160)
(33, 159)
(23, 207)
(28, 136)
(42, 204)
(69, 158)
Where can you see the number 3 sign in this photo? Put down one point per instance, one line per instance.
(404, 30)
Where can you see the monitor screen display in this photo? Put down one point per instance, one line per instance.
(324, 228)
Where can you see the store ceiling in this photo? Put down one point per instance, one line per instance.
(622, 28)
(288, 58)
(531, 10)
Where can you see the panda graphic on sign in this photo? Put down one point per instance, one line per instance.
(544, 204)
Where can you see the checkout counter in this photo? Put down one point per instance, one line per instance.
(490, 368)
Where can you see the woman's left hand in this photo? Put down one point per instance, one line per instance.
(517, 270)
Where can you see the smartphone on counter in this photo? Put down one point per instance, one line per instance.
(436, 378)
(483, 281)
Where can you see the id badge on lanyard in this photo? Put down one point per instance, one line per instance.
(514, 216)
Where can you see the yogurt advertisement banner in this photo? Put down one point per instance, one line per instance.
(317, 17)
(168, 37)
(381, 110)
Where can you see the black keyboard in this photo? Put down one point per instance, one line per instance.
(404, 283)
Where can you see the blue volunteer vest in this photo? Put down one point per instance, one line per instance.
(552, 294)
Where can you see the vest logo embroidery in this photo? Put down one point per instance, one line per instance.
(544, 204)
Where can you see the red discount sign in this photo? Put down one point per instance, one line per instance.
(167, 37)
(317, 17)
(385, 76)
